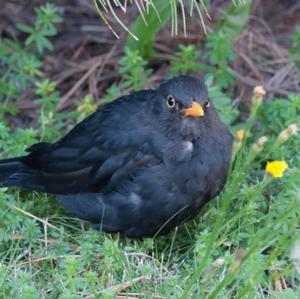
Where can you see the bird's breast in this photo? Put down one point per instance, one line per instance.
(205, 169)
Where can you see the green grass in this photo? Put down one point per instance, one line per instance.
(249, 230)
(238, 247)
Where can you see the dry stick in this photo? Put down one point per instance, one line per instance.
(40, 259)
(78, 68)
(276, 61)
(130, 294)
(272, 46)
(127, 284)
(251, 65)
(46, 232)
(78, 51)
(251, 82)
(39, 219)
(63, 102)
(34, 217)
(147, 257)
(248, 80)
(278, 80)
(279, 76)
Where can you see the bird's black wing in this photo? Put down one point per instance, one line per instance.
(99, 153)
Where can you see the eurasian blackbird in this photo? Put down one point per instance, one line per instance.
(140, 165)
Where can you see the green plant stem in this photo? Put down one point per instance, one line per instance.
(230, 190)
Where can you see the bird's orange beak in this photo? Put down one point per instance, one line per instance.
(195, 111)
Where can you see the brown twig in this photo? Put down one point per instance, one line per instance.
(101, 61)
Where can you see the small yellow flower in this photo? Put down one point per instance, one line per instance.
(239, 135)
(276, 168)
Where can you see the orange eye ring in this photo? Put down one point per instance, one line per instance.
(171, 103)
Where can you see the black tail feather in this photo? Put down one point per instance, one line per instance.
(13, 172)
(8, 167)
(17, 172)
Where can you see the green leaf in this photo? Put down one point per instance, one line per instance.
(30, 39)
(145, 28)
(25, 28)
(186, 60)
(235, 18)
(221, 101)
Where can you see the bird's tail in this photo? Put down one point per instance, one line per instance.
(13, 172)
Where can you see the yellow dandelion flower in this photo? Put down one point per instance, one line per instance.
(239, 135)
(276, 168)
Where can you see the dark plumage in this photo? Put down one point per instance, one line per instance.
(140, 165)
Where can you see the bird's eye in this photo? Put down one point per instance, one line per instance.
(171, 102)
(207, 104)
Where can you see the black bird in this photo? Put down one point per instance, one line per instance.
(140, 165)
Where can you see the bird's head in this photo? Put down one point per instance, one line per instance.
(183, 106)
